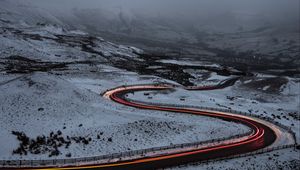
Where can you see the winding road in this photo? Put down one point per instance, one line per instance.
(262, 135)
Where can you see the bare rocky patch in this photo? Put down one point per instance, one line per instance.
(23, 65)
(50, 144)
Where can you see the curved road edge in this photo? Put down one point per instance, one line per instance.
(265, 134)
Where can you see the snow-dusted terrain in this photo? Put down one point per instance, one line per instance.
(51, 81)
(40, 103)
(52, 77)
(281, 107)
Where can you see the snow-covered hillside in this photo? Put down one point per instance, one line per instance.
(51, 80)
(53, 72)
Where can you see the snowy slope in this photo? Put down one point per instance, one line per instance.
(52, 75)
(51, 80)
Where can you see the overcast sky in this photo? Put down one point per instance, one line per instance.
(277, 8)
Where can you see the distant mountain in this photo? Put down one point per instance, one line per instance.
(247, 35)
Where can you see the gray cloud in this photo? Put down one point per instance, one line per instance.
(274, 10)
(179, 6)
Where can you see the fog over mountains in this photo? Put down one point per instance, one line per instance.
(272, 11)
(266, 29)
